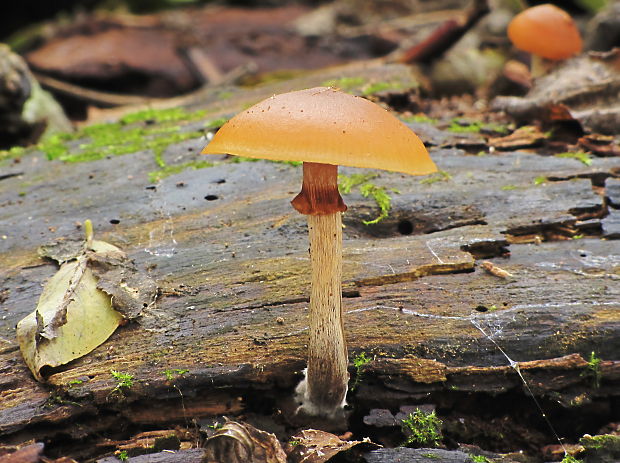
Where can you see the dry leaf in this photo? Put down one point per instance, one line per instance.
(495, 270)
(584, 89)
(242, 443)
(314, 446)
(72, 316)
(28, 454)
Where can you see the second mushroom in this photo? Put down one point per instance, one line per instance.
(323, 128)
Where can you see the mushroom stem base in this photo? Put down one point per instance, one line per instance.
(327, 377)
(319, 192)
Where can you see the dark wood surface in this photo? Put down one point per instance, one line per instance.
(234, 276)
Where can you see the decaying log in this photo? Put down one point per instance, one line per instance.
(230, 257)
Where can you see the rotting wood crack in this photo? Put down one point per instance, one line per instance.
(422, 271)
(346, 293)
(14, 174)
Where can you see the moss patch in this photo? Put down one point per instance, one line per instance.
(345, 83)
(439, 176)
(377, 87)
(168, 170)
(580, 156)
(460, 126)
(420, 119)
(367, 189)
(149, 129)
(359, 84)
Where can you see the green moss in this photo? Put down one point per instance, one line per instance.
(431, 456)
(603, 441)
(114, 139)
(570, 459)
(580, 156)
(593, 369)
(459, 126)
(171, 373)
(439, 176)
(592, 6)
(123, 380)
(420, 119)
(216, 123)
(359, 362)
(509, 187)
(422, 429)
(480, 459)
(346, 183)
(224, 95)
(540, 180)
(168, 170)
(132, 133)
(162, 115)
(345, 83)
(238, 159)
(382, 199)
(377, 87)
(14, 152)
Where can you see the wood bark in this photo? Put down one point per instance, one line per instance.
(233, 277)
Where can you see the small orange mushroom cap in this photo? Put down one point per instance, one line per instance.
(323, 125)
(547, 31)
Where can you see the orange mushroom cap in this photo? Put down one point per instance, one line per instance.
(323, 125)
(547, 31)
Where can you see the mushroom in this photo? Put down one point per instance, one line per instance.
(323, 128)
(545, 31)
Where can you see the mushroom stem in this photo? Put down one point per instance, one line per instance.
(327, 376)
(319, 191)
(324, 389)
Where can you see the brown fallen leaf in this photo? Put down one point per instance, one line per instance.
(493, 269)
(237, 442)
(583, 89)
(314, 446)
(601, 145)
(28, 454)
(75, 312)
(58, 460)
(72, 318)
(524, 137)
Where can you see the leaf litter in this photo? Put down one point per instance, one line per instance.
(237, 442)
(95, 290)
